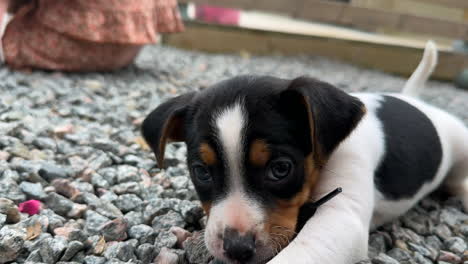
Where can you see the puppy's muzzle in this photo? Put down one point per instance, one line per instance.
(238, 247)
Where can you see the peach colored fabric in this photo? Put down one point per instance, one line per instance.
(86, 35)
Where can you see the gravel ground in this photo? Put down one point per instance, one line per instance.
(72, 141)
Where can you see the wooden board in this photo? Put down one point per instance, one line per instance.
(415, 7)
(354, 16)
(396, 59)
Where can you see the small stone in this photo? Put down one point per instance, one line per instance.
(65, 188)
(44, 143)
(115, 230)
(59, 204)
(52, 248)
(10, 190)
(34, 257)
(98, 245)
(99, 161)
(126, 173)
(73, 248)
(420, 249)
(10, 210)
(168, 220)
(384, 259)
(144, 233)
(146, 253)
(94, 260)
(127, 187)
(33, 190)
(109, 175)
(103, 207)
(99, 181)
(402, 256)
(434, 242)
(120, 250)
(165, 239)
(456, 245)
(449, 257)
(166, 256)
(191, 211)
(128, 202)
(3, 218)
(50, 172)
(83, 187)
(179, 182)
(443, 231)
(11, 242)
(134, 218)
(94, 221)
(420, 259)
(181, 235)
(158, 207)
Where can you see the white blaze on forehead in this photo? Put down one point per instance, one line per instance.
(230, 124)
(236, 210)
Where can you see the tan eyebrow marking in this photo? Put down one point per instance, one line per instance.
(259, 153)
(207, 154)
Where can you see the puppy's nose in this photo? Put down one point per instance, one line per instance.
(238, 247)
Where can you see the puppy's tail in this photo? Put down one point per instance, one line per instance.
(416, 82)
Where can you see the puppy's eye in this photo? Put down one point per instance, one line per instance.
(279, 169)
(201, 173)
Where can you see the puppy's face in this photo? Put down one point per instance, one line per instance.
(255, 148)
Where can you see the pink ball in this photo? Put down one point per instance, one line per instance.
(30, 207)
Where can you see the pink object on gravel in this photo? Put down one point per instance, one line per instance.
(30, 207)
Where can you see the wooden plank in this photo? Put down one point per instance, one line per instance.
(390, 58)
(450, 3)
(414, 7)
(364, 18)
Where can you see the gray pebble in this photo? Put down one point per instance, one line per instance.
(73, 248)
(384, 259)
(128, 202)
(114, 230)
(456, 245)
(144, 233)
(120, 250)
(94, 260)
(146, 253)
(52, 248)
(50, 172)
(11, 242)
(168, 220)
(33, 190)
(94, 221)
(10, 190)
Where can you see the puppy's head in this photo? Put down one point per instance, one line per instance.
(255, 149)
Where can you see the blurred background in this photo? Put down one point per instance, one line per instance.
(78, 184)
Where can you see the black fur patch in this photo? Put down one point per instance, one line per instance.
(413, 151)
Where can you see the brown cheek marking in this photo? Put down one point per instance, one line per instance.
(207, 154)
(206, 207)
(282, 220)
(259, 153)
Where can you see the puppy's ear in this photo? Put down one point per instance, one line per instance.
(328, 113)
(166, 123)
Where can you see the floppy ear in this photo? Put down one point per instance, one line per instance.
(166, 123)
(329, 113)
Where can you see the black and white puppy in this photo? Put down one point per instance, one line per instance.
(260, 147)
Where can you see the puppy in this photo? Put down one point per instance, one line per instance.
(260, 147)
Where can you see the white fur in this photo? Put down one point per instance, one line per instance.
(415, 83)
(236, 210)
(338, 233)
(230, 124)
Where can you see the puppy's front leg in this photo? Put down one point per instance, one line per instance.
(338, 232)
